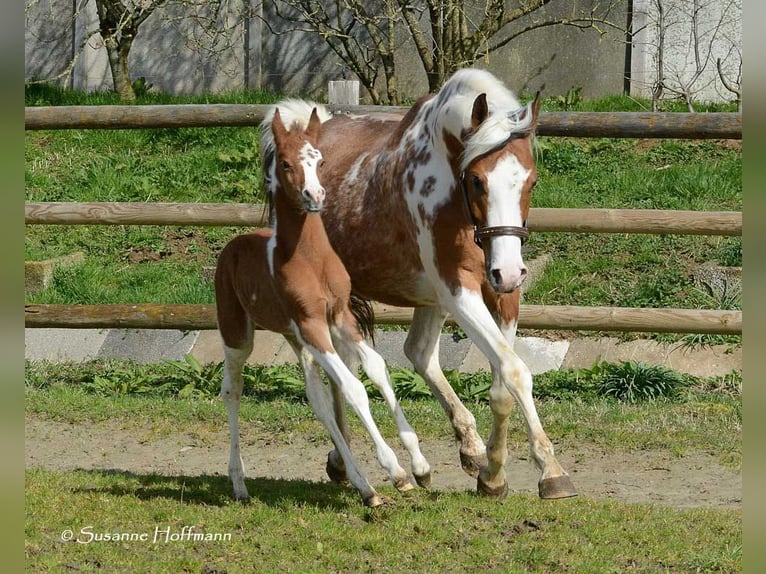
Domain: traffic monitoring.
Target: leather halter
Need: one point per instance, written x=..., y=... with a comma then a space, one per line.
x=480, y=232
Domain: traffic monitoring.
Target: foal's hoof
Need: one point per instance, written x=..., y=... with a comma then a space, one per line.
x=424, y=481
x=492, y=492
x=472, y=464
x=336, y=472
x=557, y=487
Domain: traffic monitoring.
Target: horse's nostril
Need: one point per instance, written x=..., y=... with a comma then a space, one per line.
x=497, y=275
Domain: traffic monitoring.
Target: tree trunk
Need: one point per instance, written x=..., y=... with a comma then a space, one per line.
x=118, y=53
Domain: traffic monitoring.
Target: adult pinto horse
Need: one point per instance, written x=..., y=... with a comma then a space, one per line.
x=429, y=211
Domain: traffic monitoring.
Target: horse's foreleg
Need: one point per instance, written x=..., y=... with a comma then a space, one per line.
x=422, y=349
x=335, y=467
x=231, y=394
x=511, y=380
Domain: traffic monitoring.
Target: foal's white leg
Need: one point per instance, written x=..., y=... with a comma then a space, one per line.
x=422, y=349
x=511, y=380
x=322, y=404
x=356, y=396
x=375, y=367
x=231, y=393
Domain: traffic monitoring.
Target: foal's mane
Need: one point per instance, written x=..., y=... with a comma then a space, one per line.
x=454, y=103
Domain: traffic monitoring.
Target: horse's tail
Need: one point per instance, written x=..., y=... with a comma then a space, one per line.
x=364, y=314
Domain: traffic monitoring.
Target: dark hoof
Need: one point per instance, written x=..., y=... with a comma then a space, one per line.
x=498, y=492
x=557, y=487
x=336, y=473
x=473, y=464
x=423, y=481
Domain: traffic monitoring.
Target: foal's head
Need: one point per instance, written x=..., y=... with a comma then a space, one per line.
x=498, y=174
x=297, y=161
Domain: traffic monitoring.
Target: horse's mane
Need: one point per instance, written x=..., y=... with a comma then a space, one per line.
x=293, y=112
x=507, y=117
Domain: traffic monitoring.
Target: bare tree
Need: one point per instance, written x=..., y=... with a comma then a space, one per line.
x=119, y=21
x=447, y=34
x=695, y=46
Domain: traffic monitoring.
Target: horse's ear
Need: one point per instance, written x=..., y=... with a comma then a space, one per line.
x=312, y=131
x=480, y=110
x=277, y=127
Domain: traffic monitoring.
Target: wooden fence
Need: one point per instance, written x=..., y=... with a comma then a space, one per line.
x=571, y=124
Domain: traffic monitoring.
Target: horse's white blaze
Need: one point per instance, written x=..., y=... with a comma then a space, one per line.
x=310, y=158
x=505, y=183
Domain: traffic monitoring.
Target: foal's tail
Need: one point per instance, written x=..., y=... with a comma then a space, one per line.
x=364, y=314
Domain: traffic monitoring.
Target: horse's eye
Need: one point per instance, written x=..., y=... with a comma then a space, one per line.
x=286, y=165
x=321, y=164
x=478, y=186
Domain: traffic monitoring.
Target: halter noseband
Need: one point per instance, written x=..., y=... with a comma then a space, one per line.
x=480, y=233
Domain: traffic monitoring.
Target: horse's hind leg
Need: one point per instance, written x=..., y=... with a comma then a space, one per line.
x=422, y=349
x=350, y=342
x=321, y=402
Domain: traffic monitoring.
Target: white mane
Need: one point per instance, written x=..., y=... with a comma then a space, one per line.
x=506, y=115
x=292, y=111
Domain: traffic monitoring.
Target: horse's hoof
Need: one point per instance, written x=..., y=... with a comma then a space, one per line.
x=557, y=487
x=373, y=501
x=336, y=473
x=492, y=492
x=472, y=464
x=424, y=481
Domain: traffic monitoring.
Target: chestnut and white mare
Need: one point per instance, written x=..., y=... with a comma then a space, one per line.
x=288, y=279
x=429, y=211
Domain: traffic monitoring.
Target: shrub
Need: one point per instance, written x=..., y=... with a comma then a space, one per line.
x=631, y=382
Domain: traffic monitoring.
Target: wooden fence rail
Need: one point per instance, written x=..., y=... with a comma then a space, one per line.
x=567, y=124
x=719, y=125
x=648, y=221
x=202, y=317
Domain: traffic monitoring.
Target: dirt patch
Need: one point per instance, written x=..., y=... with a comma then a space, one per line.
x=693, y=480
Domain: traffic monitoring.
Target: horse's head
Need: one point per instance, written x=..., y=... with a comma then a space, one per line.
x=297, y=161
x=497, y=177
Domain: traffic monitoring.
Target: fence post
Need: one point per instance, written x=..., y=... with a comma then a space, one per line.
x=343, y=92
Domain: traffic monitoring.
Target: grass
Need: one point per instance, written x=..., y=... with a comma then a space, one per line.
x=295, y=526
x=127, y=264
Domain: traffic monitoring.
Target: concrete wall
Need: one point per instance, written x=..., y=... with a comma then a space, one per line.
x=719, y=35
x=173, y=56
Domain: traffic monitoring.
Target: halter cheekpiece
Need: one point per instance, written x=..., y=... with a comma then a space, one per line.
x=480, y=233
